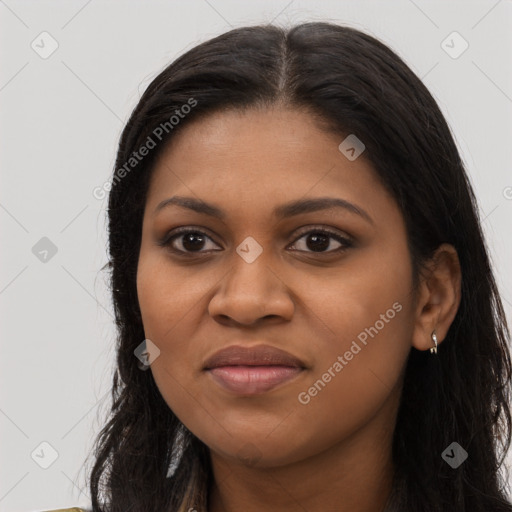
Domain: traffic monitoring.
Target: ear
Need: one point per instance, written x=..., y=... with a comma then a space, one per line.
x=438, y=297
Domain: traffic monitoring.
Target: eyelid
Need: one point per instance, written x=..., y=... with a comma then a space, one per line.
x=335, y=233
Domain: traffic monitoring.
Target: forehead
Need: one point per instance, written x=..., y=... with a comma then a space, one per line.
x=260, y=158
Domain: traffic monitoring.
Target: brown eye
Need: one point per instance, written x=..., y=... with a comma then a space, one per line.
x=321, y=241
x=188, y=241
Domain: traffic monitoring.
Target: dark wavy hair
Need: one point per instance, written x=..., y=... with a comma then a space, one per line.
x=352, y=83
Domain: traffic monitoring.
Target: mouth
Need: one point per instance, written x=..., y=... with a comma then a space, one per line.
x=252, y=370
x=253, y=380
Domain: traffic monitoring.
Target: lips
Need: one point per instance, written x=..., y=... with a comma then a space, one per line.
x=252, y=370
x=260, y=355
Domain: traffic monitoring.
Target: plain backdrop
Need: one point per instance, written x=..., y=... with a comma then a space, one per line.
x=62, y=114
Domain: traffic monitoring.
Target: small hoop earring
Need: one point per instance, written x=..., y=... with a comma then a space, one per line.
x=433, y=350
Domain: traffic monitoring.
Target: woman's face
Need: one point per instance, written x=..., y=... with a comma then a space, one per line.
x=264, y=272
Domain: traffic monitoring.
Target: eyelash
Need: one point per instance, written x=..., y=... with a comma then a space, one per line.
x=169, y=238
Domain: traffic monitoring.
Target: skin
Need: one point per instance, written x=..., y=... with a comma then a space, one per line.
x=270, y=451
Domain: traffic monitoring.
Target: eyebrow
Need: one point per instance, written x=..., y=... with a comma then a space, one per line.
x=283, y=211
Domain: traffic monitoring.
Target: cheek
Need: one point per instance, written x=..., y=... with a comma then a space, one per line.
x=352, y=378
x=363, y=347
x=166, y=296
x=172, y=305
x=365, y=300
x=167, y=307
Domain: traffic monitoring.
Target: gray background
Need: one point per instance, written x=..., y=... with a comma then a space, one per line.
x=61, y=120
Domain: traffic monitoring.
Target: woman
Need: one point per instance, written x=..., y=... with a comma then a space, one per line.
x=297, y=259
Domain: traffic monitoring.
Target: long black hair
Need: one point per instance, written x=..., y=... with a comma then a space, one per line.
x=353, y=83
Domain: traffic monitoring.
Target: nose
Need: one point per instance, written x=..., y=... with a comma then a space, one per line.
x=250, y=293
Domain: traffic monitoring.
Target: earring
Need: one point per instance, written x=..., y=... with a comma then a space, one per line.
x=433, y=350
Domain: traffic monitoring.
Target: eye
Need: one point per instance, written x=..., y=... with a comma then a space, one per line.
x=187, y=240
x=318, y=240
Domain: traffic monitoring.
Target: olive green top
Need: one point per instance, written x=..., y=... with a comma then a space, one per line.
x=74, y=509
